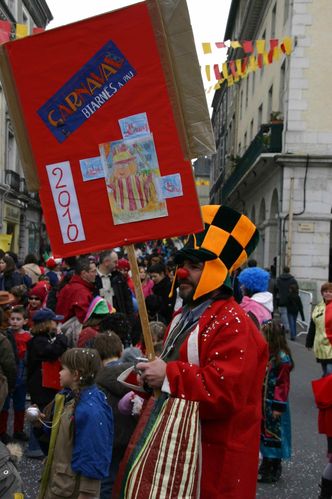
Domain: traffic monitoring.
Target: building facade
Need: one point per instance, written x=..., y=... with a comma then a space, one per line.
x=273, y=131
x=202, y=168
x=21, y=224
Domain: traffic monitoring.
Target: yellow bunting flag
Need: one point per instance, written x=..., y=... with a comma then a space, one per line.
x=208, y=72
x=225, y=70
x=266, y=61
x=206, y=47
x=287, y=42
x=252, y=63
x=22, y=30
x=238, y=64
x=236, y=45
x=260, y=46
x=230, y=81
x=276, y=53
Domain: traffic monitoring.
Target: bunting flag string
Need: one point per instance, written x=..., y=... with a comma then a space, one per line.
x=11, y=31
x=248, y=46
x=235, y=69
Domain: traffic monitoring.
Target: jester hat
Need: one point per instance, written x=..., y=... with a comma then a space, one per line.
x=224, y=245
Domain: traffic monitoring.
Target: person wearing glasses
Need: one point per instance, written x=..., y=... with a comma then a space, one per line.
x=36, y=298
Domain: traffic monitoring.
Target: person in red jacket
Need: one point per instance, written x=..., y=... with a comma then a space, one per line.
x=214, y=354
x=75, y=297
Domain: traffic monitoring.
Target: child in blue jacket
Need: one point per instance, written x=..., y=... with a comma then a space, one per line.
x=80, y=448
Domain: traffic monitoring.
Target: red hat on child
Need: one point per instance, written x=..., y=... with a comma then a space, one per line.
x=51, y=263
x=40, y=290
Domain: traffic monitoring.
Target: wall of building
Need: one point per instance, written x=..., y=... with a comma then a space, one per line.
x=20, y=213
x=309, y=113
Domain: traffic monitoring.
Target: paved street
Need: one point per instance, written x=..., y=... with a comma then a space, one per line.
x=301, y=475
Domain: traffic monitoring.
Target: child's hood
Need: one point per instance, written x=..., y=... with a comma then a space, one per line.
x=265, y=298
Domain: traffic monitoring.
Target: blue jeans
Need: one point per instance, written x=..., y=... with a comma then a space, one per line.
x=326, y=368
x=292, y=325
x=284, y=317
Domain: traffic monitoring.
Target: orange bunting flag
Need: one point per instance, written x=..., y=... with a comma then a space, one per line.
x=247, y=46
x=274, y=43
x=225, y=70
x=260, y=61
x=22, y=30
x=206, y=47
x=208, y=72
x=270, y=56
x=232, y=68
x=260, y=46
x=236, y=45
x=220, y=45
x=5, y=29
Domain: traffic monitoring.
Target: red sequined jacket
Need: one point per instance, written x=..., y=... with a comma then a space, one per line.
x=228, y=384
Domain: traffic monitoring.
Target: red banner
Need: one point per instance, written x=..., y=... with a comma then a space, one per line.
x=80, y=81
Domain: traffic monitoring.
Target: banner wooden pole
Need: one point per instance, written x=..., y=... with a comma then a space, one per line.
x=143, y=315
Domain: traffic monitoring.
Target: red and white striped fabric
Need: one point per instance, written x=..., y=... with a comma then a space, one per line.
x=168, y=461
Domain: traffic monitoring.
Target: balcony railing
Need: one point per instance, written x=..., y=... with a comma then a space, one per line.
x=268, y=140
x=13, y=179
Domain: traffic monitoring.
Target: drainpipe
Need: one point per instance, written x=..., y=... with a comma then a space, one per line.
x=290, y=222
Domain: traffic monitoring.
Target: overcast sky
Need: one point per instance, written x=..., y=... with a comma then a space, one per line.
x=208, y=19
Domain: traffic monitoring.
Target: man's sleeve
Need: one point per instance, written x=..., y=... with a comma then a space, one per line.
x=81, y=306
x=7, y=362
x=231, y=359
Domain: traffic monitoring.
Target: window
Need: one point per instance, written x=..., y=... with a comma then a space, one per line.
x=260, y=116
x=270, y=103
x=273, y=21
x=282, y=88
x=245, y=141
x=253, y=83
x=11, y=7
x=247, y=91
x=263, y=67
x=11, y=151
x=251, y=130
x=241, y=104
x=286, y=9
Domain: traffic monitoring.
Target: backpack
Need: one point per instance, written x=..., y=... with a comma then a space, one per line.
x=10, y=480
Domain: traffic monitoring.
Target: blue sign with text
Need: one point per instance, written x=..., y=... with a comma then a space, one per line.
x=87, y=91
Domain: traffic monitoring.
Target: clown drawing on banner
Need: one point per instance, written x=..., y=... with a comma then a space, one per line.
x=131, y=171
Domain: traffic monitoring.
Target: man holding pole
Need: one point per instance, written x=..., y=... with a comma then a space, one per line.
x=215, y=355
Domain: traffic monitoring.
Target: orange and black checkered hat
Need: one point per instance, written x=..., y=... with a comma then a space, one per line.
x=224, y=245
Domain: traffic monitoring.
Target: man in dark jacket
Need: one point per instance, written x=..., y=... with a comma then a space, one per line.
x=162, y=287
x=282, y=291
x=110, y=349
x=75, y=297
x=111, y=284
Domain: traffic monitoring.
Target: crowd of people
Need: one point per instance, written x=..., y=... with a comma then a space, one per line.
x=70, y=327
